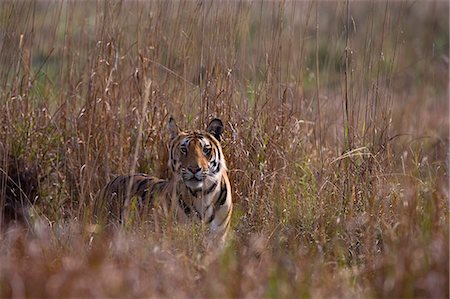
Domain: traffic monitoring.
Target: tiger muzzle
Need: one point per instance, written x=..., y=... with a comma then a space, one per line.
x=195, y=175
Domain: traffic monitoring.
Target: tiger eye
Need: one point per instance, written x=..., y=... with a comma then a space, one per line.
x=207, y=151
x=183, y=150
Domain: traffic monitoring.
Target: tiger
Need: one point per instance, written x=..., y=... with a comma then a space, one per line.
x=198, y=187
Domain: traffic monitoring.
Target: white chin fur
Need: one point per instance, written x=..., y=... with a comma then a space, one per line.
x=194, y=185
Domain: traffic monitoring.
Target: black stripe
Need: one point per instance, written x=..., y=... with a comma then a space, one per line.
x=184, y=206
x=218, y=155
x=157, y=187
x=211, y=218
x=144, y=194
x=226, y=217
x=218, y=162
x=217, y=168
x=212, y=202
x=114, y=180
x=223, y=196
x=153, y=189
x=215, y=141
x=141, y=184
x=192, y=192
x=210, y=189
x=171, y=154
x=197, y=213
x=187, y=140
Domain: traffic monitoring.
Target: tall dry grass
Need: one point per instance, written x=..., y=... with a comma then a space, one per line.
x=336, y=139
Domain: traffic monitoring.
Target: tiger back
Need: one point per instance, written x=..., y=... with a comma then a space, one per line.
x=112, y=204
x=198, y=188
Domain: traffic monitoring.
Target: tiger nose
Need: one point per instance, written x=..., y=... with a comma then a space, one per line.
x=194, y=169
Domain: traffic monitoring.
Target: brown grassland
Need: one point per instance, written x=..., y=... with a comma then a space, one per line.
x=336, y=139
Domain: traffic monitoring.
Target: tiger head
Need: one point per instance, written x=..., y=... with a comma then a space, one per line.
x=196, y=157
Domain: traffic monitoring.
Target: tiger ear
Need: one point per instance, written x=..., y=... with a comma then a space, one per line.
x=215, y=128
x=173, y=128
